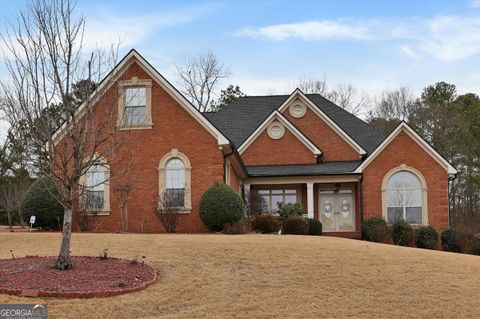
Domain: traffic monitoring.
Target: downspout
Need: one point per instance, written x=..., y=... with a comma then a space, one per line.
x=361, y=200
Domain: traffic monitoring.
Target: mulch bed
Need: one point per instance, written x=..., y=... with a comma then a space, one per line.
x=90, y=277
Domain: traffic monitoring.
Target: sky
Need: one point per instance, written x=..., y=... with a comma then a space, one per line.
x=269, y=45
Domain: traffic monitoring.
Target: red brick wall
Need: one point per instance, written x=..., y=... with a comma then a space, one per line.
x=286, y=150
x=172, y=128
x=333, y=147
x=234, y=180
x=404, y=150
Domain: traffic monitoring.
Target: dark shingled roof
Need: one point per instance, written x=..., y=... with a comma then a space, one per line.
x=239, y=120
x=327, y=168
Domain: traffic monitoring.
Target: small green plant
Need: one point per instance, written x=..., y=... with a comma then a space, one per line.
x=265, y=224
x=220, y=205
x=295, y=226
x=375, y=229
x=314, y=227
x=450, y=240
x=402, y=233
x=426, y=237
x=289, y=210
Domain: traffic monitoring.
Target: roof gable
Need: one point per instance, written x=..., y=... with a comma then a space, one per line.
x=298, y=94
x=134, y=57
x=275, y=115
x=404, y=127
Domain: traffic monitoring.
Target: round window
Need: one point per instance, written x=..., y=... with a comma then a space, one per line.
x=276, y=130
x=297, y=110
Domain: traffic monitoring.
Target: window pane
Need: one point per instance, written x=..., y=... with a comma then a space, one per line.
x=135, y=115
x=403, y=179
x=94, y=200
x=327, y=192
x=175, y=197
x=413, y=198
x=414, y=215
x=175, y=163
x=263, y=191
x=135, y=97
x=394, y=198
x=290, y=191
x=275, y=200
x=394, y=214
x=265, y=203
x=95, y=178
x=345, y=191
x=290, y=199
x=277, y=191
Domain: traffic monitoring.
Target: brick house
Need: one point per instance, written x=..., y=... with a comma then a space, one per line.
x=283, y=148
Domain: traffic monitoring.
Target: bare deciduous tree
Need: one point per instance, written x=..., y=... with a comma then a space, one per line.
x=11, y=194
x=344, y=95
x=44, y=58
x=199, y=77
x=395, y=104
x=168, y=208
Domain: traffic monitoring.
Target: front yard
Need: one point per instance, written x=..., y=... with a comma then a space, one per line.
x=268, y=276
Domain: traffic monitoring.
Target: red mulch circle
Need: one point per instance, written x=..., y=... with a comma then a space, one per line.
x=90, y=277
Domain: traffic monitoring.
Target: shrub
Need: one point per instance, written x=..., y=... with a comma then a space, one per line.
x=295, y=226
x=402, y=233
x=40, y=200
x=314, y=227
x=375, y=229
x=450, y=241
x=265, y=224
x=475, y=248
x=289, y=210
x=426, y=237
x=243, y=226
x=220, y=205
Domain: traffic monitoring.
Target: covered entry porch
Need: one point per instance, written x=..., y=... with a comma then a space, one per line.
x=334, y=200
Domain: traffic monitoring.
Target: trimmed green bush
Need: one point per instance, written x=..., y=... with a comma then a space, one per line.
x=402, y=233
x=220, y=205
x=426, y=237
x=265, y=224
x=295, y=226
x=475, y=249
x=40, y=200
x=314, y=227
x=450, y=240
x=375, y=229
x=289, y=210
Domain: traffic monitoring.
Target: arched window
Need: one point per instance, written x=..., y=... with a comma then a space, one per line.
x=175, y=182
x=404, y=197
x=95, y=188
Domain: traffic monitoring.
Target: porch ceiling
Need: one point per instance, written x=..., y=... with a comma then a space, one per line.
x=326, y=168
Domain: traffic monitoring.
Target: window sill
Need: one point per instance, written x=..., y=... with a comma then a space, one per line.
x=100, y=213
x=134, y=127
x=185, y=210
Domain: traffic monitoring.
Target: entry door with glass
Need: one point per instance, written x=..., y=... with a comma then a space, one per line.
x=337, y=210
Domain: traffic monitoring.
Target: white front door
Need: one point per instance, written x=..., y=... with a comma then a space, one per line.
x=337, y=210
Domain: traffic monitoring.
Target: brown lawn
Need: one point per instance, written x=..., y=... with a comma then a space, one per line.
x=262, y=276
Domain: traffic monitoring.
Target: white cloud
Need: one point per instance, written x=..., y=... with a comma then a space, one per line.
x=445, y=38
x=310, y=30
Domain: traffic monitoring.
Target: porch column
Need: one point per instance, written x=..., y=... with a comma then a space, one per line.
x=310, y=199
x=246, y=193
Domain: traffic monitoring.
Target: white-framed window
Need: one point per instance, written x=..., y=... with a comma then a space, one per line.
x=270, y=198
x=404, y=196
x=175, y=182
x=135, y=104
x=94, y=196
x=135, y=112
x=175, y=177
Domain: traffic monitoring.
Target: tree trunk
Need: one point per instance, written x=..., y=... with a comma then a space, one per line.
x=63, y=261
x=20, y=217
x=9, y=217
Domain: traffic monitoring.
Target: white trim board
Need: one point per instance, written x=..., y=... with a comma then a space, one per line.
x=403, y=126
x=157, y=77
x=315, y=109
x=277, y=115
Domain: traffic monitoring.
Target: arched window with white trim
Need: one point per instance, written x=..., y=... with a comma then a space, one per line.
x=175, y=179
x=405, y=197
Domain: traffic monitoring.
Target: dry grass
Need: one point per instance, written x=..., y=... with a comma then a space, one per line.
x=267, y=276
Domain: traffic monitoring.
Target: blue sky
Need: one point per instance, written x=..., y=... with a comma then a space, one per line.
x=269, y=45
